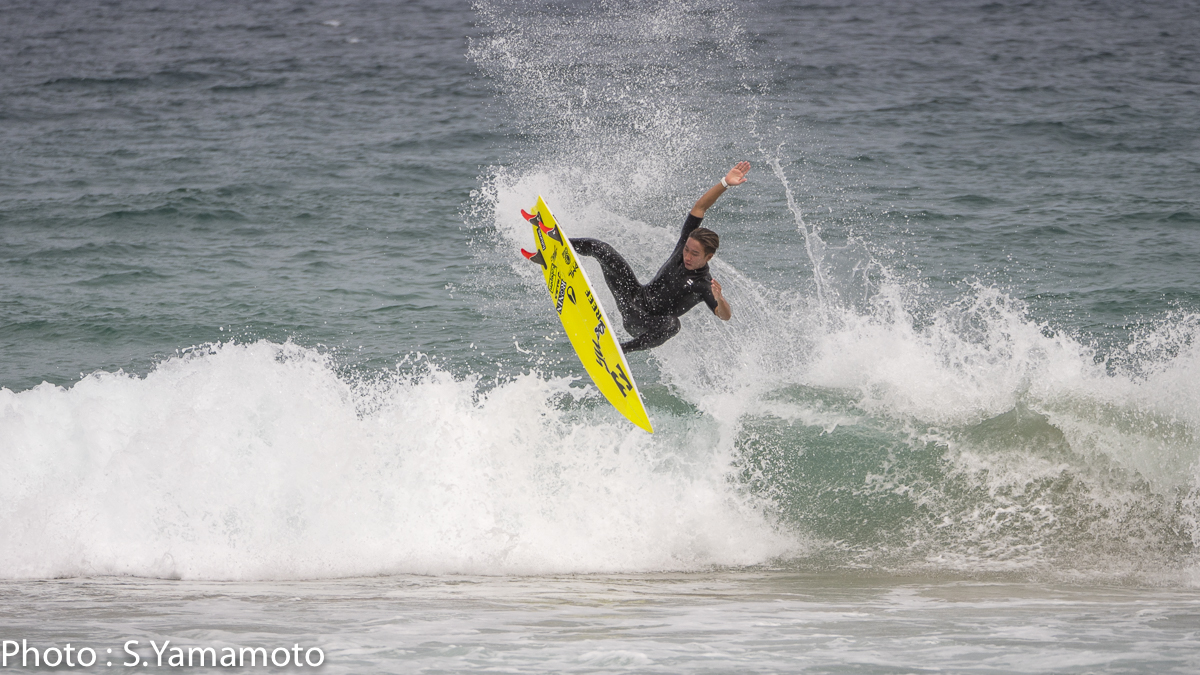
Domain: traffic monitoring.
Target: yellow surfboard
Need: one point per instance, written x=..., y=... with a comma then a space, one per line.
x=582, y=316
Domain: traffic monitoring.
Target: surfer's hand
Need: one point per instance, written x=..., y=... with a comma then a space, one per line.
x=737, y=175
x=722, y=311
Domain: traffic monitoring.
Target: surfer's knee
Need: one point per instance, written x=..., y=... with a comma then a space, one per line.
x=668, y=329
x=674, y=327
x=601, y=251
x=586, y=245
x=654, y=336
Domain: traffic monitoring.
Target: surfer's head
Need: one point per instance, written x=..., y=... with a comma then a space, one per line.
x=699, y=248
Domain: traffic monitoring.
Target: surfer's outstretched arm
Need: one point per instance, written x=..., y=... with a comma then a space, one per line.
x=736, y=176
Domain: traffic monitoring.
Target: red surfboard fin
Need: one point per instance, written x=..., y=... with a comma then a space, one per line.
x=535, y=218
x=552, y=231
x=534, y=257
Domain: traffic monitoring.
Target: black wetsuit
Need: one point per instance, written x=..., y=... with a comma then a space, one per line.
x=651, y=312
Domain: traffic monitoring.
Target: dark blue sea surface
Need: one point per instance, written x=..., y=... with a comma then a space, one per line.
x=1048, y=148
x=288, y=170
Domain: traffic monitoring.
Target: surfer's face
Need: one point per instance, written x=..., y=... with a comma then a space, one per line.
x=694, y=256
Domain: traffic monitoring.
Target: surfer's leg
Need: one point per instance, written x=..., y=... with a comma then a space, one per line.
x=658, y=329
x=617, y=274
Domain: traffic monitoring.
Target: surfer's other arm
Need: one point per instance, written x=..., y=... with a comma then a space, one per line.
x=722, y=310
x=736, y=176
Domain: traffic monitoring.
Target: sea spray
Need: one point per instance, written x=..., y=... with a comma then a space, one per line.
x=619, y=98
x=898, y=425
x=813, y=245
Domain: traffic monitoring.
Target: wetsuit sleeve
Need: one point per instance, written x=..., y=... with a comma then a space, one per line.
x=709, y=298
x=689, y=226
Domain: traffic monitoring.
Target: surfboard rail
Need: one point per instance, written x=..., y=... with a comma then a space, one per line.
x=583, y=316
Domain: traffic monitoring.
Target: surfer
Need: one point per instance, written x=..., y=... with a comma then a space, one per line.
x=651, y=312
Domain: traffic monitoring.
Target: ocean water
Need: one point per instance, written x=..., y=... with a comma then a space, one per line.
x=273, y=371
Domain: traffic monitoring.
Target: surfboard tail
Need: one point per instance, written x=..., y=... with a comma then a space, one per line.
x=552, y=232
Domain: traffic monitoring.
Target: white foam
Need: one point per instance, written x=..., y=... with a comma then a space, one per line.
x=253, y=461
x=937, y=370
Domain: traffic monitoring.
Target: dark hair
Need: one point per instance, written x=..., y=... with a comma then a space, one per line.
x=707, y=238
